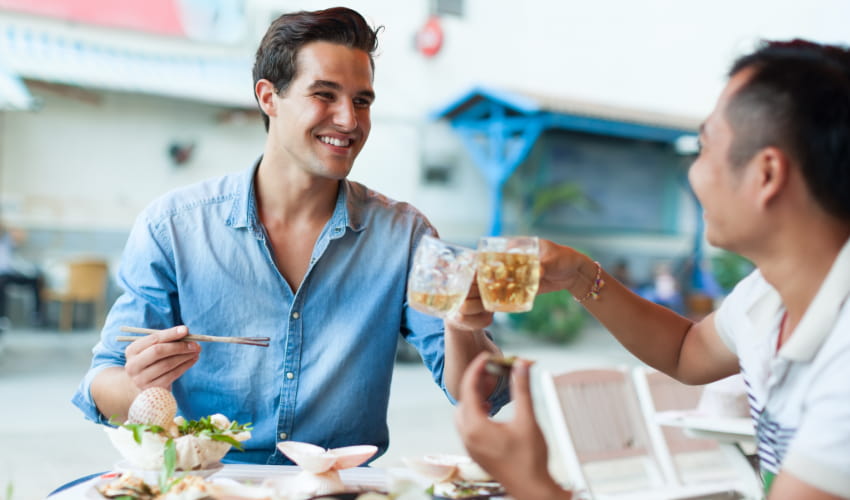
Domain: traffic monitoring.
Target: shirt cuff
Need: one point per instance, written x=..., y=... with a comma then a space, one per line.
x=501, y=395
x=83, y=400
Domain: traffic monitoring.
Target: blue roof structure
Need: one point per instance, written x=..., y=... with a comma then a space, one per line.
x=499, y=128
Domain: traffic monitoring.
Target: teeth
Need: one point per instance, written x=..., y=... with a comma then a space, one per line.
x=335, y=142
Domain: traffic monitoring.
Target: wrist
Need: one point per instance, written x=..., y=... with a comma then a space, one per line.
x=584, y=276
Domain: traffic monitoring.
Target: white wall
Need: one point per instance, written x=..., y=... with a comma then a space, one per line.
x=81, y=165
x=75, y=164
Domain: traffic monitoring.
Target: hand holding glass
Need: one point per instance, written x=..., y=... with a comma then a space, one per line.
x=508, y=272
x=440, y=278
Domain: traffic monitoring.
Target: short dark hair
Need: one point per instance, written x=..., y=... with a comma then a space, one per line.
x=797, y=99
x=276, y=56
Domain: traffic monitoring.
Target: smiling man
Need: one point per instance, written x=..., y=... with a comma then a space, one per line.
x=773, y=178
x=288, y=249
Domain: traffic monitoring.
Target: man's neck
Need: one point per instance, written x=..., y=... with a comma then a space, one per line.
x=289, y=195
x=797, y=262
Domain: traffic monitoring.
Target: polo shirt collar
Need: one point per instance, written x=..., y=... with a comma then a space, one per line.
x=820, y=316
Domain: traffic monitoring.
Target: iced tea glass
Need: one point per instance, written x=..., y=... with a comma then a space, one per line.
x=440, y=278
x=508, y=272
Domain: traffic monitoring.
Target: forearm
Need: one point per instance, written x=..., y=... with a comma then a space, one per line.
x=651, y=332
x=113, y=393
x=461, y=347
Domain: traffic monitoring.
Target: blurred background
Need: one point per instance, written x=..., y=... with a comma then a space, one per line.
x=570, y=120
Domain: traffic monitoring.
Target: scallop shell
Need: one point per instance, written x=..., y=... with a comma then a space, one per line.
x=153, y=406
x=193, y=452
x=316, y=460
x=444, y=467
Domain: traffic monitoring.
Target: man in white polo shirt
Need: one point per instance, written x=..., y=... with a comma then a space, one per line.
x=773, y=177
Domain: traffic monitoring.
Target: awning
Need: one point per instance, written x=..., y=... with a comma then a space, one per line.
x=13, y=93
x=498, y=128
x=481, y=104
x=89, y=59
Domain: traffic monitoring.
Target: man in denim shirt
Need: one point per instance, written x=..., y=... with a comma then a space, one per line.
x=287, y=249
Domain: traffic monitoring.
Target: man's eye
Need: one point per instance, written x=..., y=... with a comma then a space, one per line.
x=362, y=103
x=325, y=95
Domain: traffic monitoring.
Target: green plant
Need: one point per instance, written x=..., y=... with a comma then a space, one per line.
x=555, y=317
x=729, y=268
x=10, y=490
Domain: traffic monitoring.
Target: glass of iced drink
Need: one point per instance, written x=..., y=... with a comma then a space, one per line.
x=440, y=277
x=508, y=272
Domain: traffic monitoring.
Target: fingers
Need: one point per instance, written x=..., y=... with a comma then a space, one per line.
x=159, y=359
x=473, y=403
x=144, y=342
x=521, y=389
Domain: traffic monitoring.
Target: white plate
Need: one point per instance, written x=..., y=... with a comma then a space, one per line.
x=152, y=475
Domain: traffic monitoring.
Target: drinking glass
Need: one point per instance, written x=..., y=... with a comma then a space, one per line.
x=440, y=278
x=508, y=272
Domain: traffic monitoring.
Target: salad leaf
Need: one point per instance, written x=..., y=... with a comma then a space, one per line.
x=169, y=464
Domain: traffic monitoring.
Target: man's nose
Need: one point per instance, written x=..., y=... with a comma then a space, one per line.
x=345, y=116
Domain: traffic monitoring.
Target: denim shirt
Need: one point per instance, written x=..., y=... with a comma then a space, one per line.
x=200, y=257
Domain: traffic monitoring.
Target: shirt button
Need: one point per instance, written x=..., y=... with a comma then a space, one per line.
x=290, y=375
x=283, y=435
x=296, y=315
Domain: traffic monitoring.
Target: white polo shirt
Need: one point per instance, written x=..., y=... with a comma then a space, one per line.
x=799, y=397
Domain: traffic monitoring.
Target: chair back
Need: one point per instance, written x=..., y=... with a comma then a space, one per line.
x=87, y=280
x=595, y=419
x=669, y=394
x=686, y=460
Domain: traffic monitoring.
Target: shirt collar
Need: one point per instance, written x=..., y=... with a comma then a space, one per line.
x=819, y=317
x=348, y=210
x=243, y=213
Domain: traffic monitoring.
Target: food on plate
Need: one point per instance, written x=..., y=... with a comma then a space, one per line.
x=499, y=366
x=152, y=424
x=455, y=476
x=129, y=486
x=187, y=487
x=467, y=490
x=320, y=474
x=369, y=495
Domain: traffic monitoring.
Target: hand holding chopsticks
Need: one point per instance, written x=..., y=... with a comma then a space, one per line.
x=257, y=341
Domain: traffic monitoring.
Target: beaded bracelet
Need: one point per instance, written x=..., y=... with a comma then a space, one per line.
x=598, y=283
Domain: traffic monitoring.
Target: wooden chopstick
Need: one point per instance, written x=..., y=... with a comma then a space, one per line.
x=257, y=341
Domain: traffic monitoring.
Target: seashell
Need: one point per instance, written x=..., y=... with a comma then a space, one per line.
x=444, y=467
x=193, y=452
x=306, y=484
x=220, y=421
x=308, y=456
x=317, y=460
x=153, y=406
x=436, y=472
x=352, y=456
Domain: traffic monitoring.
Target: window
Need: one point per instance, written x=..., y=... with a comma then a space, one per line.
x=447, y=7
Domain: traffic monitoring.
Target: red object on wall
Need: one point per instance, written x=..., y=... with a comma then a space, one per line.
x=152, y=16
x=429, y=39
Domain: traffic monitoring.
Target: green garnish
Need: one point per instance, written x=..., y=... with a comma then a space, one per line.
x=205, y=427
x=200, y=427
x=169, y=461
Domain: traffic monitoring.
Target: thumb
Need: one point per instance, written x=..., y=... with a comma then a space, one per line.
x=521, y=389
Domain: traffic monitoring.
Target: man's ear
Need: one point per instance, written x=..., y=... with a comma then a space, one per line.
x=265, y=96
x=772, y=173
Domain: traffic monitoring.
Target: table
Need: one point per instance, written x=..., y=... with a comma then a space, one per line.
x=369, y=477
x=738, y=430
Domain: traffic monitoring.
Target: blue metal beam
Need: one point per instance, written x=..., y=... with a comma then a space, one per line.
x=500, y=128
